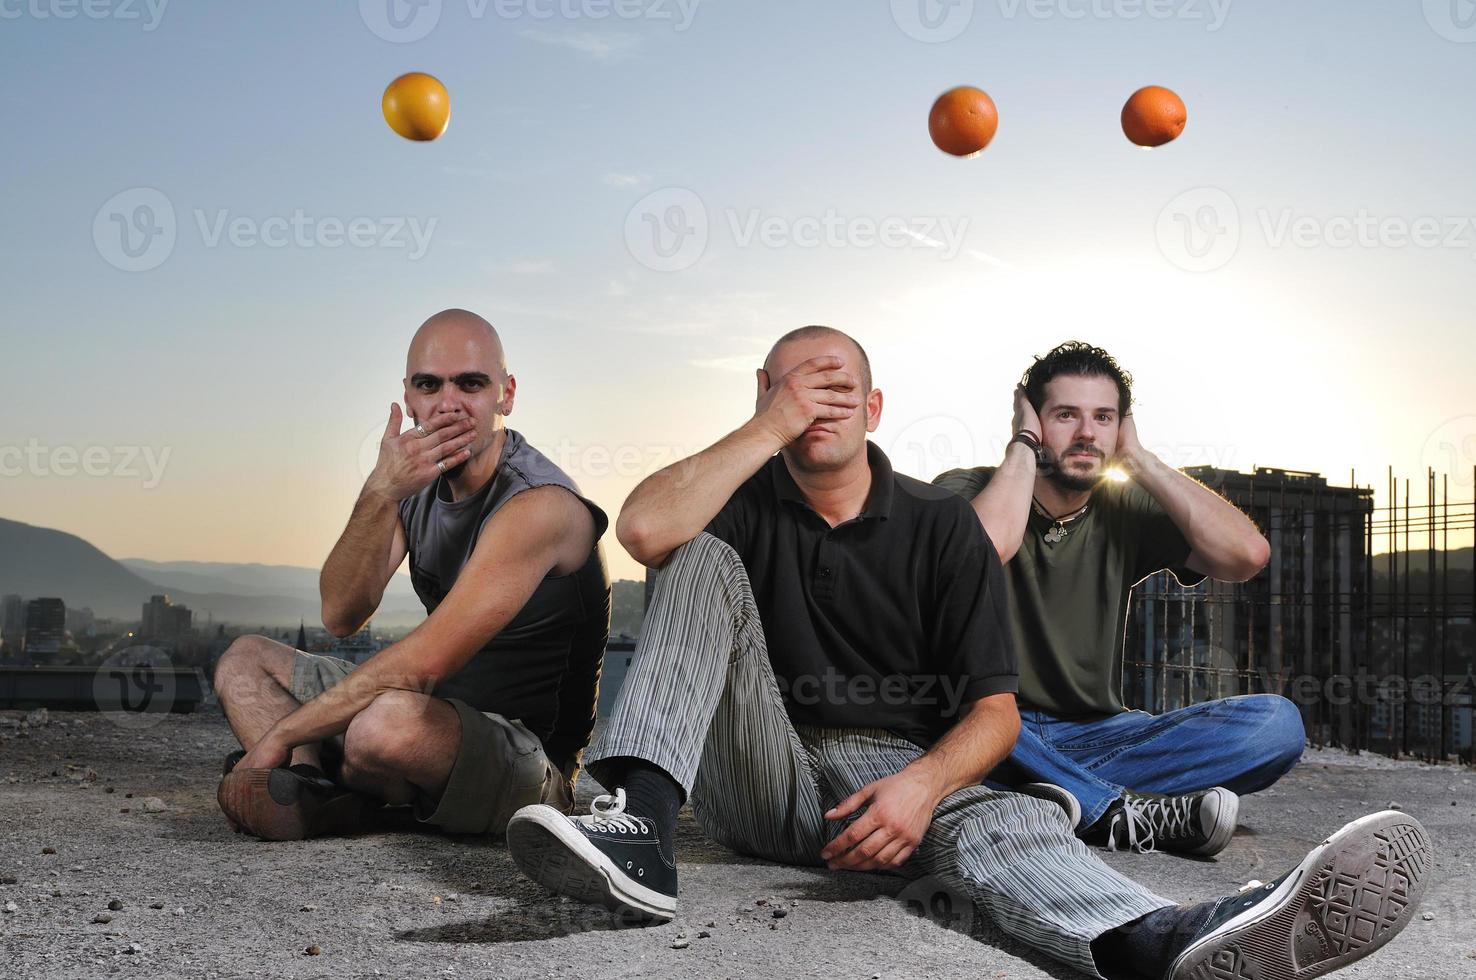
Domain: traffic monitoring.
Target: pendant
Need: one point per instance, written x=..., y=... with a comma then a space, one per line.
x=1055, y=535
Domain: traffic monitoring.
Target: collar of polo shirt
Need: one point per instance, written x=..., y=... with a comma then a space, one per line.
x=878, y=501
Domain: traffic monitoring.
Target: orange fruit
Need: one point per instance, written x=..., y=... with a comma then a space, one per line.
x=963, y=121
x=417, y=106
x=1154, y=116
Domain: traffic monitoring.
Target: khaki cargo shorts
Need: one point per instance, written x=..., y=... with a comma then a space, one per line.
x=499, y=767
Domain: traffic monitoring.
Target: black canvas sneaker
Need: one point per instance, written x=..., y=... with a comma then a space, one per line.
x=1194, y=823
x=610, y=857
x=1349, y=896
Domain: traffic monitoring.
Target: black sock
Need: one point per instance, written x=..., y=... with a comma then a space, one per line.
x=1149, y=945
x=650, y=792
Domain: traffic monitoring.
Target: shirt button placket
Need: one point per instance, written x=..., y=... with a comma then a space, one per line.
x=825, y=570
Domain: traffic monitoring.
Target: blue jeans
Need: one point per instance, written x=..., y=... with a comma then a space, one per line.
x=1243, y=744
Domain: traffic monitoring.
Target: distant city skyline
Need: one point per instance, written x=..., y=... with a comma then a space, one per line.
x=213, y=269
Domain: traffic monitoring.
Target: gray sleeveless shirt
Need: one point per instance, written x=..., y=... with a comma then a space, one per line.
x=544, y=666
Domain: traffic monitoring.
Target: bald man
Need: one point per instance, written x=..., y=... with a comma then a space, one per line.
x=488, y=704
x=827, y=670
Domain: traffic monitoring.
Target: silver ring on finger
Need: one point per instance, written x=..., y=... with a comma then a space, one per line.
x=421, y=429
x=441, y=465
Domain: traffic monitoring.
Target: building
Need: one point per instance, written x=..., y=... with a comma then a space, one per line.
x=82, y=622
x=619, y=652
x=1462, y=701
x=13, y=624
x=46, y=629
x=164, y=621
x=1304, y=615
x=356, y=647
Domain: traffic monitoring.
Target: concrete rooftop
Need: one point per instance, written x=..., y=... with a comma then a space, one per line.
x=408, y=904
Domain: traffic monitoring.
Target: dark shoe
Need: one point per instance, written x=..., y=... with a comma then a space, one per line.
x=1349, y=896
x=1194, y=823
x=558, y=788
x=610, y=858
x=292, y=804
x=1058, y=795
x=231, y=760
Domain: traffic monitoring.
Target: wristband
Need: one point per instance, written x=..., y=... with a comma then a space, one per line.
x=1027, y=438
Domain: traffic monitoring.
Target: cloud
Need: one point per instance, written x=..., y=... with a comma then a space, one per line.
x=972, y=253
x=625, y=180
x=738, y=363
x=987, y=259
x=596, y=47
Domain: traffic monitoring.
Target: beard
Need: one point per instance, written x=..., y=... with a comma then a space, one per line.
x=830, y=454
x=1074, y=482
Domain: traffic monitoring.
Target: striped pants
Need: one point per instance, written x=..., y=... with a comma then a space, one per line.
x=700, y=701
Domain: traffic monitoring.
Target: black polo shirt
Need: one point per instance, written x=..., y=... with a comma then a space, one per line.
x=894, y=619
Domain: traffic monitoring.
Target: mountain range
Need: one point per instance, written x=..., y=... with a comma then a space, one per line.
x=38, y=561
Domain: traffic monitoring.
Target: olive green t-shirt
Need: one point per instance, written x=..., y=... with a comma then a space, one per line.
x=1069, y=600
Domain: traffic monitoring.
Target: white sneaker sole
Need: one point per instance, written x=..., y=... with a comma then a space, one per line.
x=1349, y=896
x=547, y=848
x=1058, y=795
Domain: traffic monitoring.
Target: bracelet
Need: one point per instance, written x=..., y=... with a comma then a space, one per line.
x=1027, y=438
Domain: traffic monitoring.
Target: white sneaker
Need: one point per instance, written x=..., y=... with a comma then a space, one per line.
x=1057, y=795
x=1192, y=823
x=610, y=857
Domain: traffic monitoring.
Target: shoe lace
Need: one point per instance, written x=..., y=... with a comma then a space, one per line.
x=1132, y=819
x=608, y=813
x=1172, y=816
x=1167, y=817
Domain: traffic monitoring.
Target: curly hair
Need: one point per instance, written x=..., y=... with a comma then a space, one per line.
x=1076, y=358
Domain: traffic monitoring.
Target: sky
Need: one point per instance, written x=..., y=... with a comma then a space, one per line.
x=216, y=251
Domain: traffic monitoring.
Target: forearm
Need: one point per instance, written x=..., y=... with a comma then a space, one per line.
x=328, y=714
x=1003, y=505
x=673, y=505
x=970, y=750
x=541, y=530
x=352, y=581
x=1223, y=538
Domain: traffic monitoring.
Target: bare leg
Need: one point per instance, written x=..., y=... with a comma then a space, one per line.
x=254, y=682
x=402, y=745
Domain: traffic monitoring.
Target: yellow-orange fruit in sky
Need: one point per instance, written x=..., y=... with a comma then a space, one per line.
x=963, y=121
x=1154, y=116
x=417, y=106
